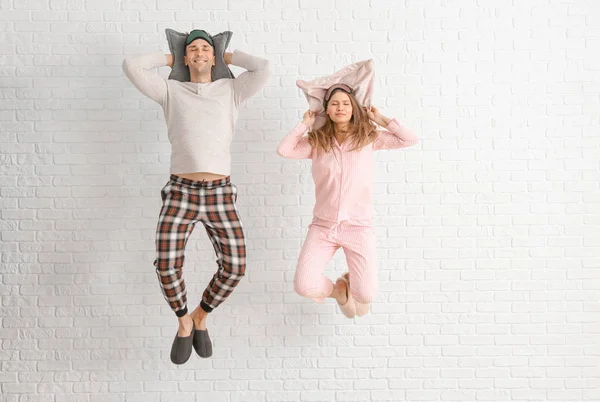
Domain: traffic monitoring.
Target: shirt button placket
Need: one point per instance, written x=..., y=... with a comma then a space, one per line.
x=341, y=184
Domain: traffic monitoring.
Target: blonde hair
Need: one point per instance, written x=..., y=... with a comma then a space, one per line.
x=361, y=131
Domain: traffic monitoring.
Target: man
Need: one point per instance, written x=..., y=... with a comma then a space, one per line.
x=200, y=116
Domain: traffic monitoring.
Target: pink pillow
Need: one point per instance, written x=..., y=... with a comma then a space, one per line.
x=359, y=76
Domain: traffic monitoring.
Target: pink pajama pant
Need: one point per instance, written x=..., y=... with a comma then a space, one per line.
x=322, y=242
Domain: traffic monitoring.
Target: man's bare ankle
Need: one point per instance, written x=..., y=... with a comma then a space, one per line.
x=198, y=314
x=185, y=325
x=200, y=324
x=199, y=318
x=186, y=319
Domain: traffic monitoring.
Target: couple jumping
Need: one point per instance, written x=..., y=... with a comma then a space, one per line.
x=200, y=115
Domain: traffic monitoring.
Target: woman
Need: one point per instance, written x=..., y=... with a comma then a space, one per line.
x=342, y=169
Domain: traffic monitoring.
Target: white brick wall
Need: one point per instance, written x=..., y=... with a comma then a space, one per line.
x=488, y=230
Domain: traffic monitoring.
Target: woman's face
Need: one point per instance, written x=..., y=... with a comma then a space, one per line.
x=339, y=108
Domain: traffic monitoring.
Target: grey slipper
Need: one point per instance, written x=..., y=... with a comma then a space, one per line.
x=182, y=348
x=202, y=343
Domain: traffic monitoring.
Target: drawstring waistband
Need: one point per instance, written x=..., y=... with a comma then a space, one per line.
x=208, y=184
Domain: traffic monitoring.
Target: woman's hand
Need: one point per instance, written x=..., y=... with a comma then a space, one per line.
x=375, y=116
x=373, y=113
x=309, y=118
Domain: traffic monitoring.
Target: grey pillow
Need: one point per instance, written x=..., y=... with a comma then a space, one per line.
x=181, y=72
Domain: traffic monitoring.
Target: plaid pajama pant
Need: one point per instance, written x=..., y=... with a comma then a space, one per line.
x=185, y=203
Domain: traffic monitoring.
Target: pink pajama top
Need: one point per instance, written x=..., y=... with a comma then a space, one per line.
x=343, y=178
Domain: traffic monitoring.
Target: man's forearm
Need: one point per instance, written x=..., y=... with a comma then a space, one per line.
x=139, y=71
x=227, y=57
x=253, y=79
x=169, y=60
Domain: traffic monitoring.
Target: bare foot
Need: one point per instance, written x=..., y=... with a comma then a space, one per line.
x=340, y=292
x=185, y=326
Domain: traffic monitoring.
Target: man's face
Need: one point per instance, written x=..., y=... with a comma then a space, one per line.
x=200, y=56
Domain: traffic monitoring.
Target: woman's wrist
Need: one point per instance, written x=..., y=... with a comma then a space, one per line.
x=384, y=121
